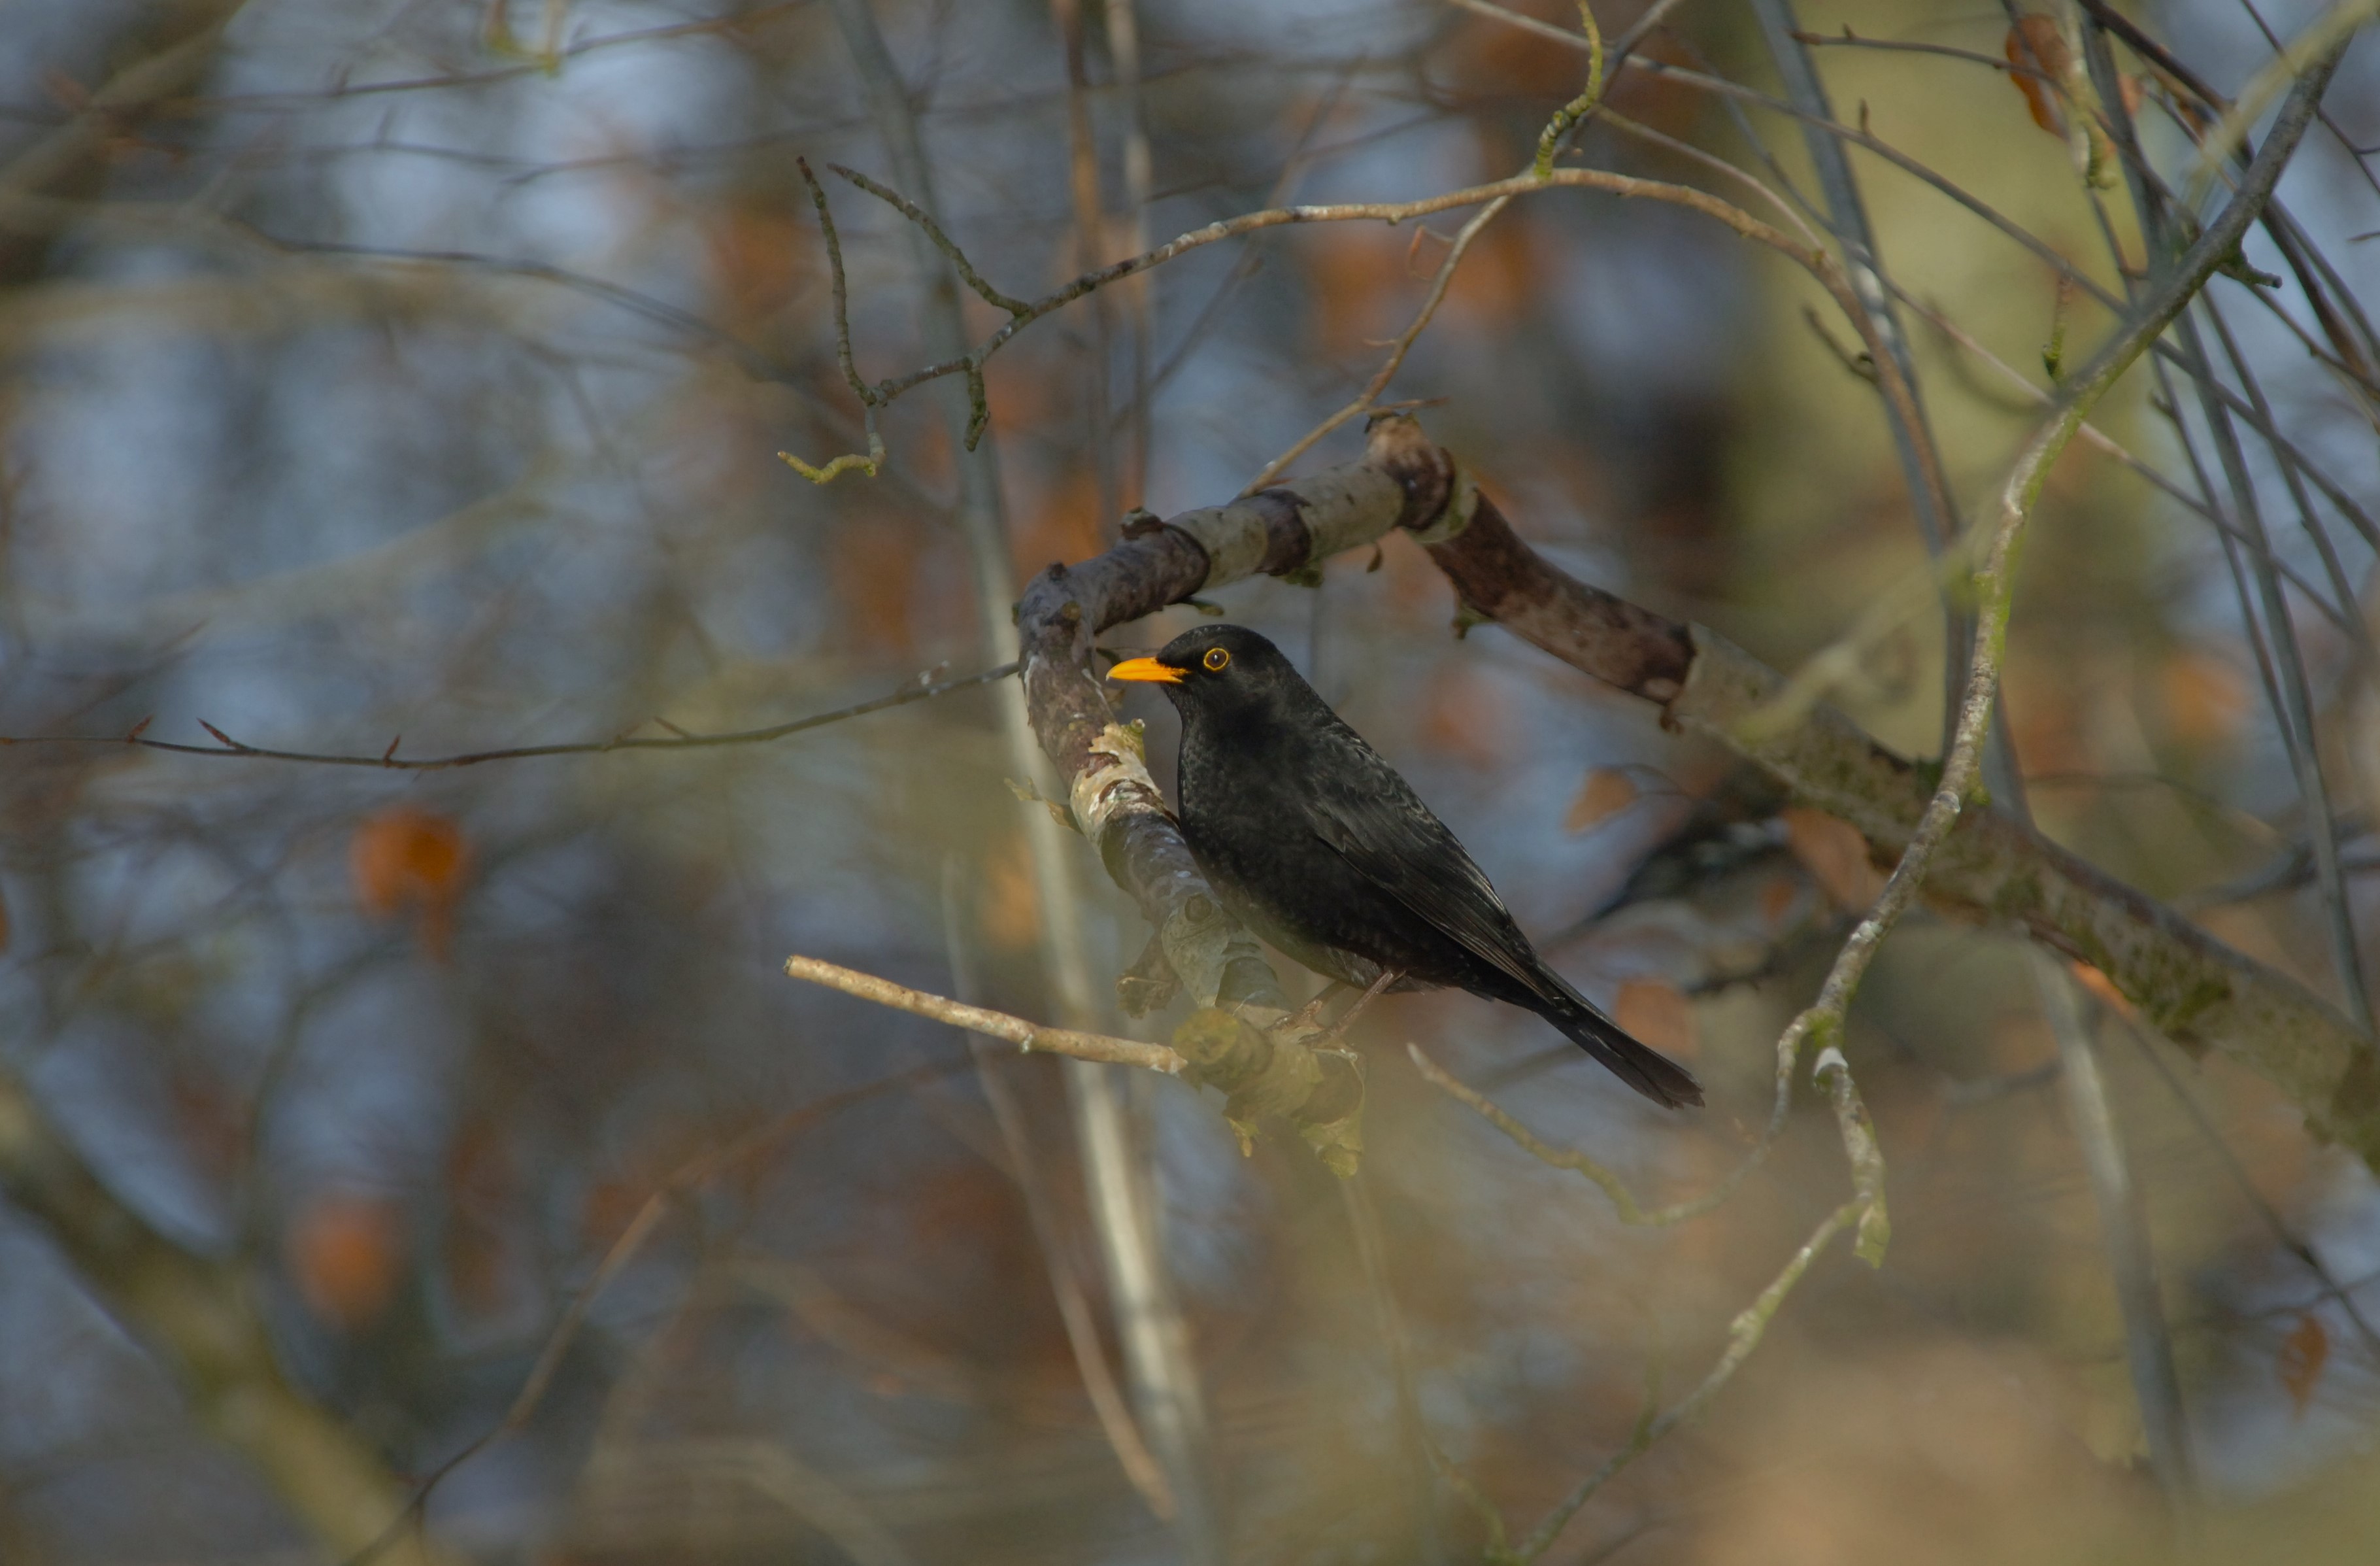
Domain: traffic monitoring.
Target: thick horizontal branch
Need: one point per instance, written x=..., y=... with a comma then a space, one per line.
x=1990, y=868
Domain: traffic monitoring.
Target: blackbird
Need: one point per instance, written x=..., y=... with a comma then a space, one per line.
x=1317, y=844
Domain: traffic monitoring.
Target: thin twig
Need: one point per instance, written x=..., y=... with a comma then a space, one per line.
x=1090, y=251
x=1743, y=1335
x=2124, y=1234
x=1549, y=145
x=1030, y=1037
x=2297, y=710
x=2342, y=1293
x=919, y=216
x=1558, y=129
x=1149, y=1322
x=2323, y=39
x=690, y=1176
x=868, y=401
x=2110, y=446
x=1935, y=508
x=1371, y=1259
x=1108, y=1404
x=1365, y=401
x=1624, y=1203
x=1994, y=581
x=970, y=364
x=231, y=749
x=1139, y=174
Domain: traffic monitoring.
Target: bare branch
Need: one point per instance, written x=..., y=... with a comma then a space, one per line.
x=971, y=364
x=199, y=1318
x=919, y=216
x=1743, y=1335
x=1624, y=1203
x=1367, y=400
x=690, y=1176
x=229, y=748
x=868, y=399
x=1550, y=140
x=1030, y=1037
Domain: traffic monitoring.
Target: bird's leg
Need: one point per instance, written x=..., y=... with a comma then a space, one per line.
x=1388, y=976
x=1310, y=1013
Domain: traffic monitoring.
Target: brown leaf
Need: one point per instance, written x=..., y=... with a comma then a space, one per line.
x=2035, y=44
x=406, y=857
x=1657, y=1015
x=346, y=1254
x=1606, y=791
x=1835, y=854
x=2303, y=1354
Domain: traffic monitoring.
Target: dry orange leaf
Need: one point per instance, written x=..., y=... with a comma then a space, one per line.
x=1656, y=1014
x=346, y=1254
x=1605, y=792
x=403, y=856
x=406, y=857
x=1835, y=854
x=2303, y=1354
x=2035, y=44
x=1775, y=898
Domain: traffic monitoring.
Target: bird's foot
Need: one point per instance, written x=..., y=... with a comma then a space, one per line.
x=1308, y=1018
x=1379, y=987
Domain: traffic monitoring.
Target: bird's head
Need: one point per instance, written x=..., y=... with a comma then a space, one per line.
x=1218, y=669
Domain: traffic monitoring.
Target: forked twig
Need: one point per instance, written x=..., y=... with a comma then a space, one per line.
x=868, y=401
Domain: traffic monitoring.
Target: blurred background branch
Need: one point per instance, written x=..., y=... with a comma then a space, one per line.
x=198, y=1318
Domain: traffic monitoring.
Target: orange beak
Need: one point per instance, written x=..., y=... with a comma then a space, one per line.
x=1147, y=670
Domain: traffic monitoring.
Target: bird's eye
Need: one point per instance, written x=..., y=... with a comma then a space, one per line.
x=1217, y=659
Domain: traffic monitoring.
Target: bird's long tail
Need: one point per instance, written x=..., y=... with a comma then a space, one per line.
x=1642, y=1067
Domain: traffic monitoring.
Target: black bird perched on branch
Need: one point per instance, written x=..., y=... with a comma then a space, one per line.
x=1317, y=845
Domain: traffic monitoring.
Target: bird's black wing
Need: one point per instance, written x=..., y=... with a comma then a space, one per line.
x=1379, y=826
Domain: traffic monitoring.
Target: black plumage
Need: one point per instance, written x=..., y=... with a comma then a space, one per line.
x=1317, y=844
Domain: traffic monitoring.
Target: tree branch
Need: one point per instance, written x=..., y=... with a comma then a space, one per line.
x=388, y=760
x=1030, y=1037
x=198, y=1318
x=1988, y=868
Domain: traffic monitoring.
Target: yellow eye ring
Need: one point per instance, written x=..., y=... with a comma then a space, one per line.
x=1217, y=660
